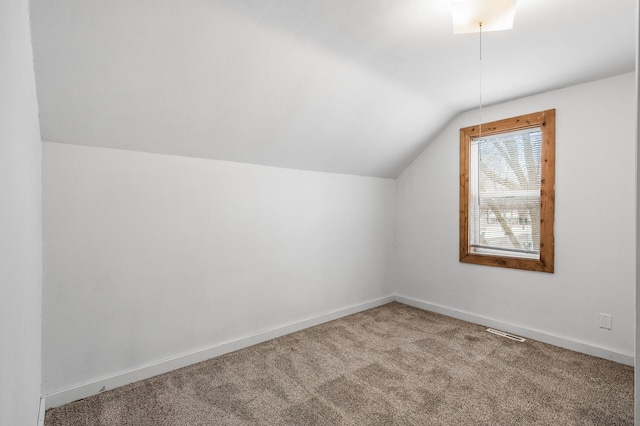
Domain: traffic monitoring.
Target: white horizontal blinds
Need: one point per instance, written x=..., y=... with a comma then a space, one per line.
x=505, y=194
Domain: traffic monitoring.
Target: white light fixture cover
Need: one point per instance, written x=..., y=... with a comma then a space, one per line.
x=495, y=15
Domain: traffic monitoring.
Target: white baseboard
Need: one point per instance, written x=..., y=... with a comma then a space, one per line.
x=94, y=387
x=41, y=411
x=585, y=348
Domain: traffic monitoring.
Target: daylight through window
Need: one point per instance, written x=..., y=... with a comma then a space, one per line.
x=505, y=194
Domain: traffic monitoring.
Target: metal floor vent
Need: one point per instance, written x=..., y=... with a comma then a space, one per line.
x=507, y=335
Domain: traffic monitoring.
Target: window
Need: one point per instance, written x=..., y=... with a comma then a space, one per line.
x=507, y=192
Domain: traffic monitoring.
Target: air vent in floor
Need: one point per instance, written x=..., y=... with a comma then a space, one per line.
x=507, y=335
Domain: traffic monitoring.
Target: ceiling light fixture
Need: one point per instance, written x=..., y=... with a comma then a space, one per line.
x=470, y=16
x=495, y=15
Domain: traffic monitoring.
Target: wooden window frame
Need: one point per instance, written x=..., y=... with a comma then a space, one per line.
x=546, y=120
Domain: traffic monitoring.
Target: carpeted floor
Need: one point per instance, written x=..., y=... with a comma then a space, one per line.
x=392, y=365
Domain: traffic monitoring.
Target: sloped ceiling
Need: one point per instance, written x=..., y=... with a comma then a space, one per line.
x=357, y=87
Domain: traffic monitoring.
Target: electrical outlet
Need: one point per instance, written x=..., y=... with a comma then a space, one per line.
x=605, y=321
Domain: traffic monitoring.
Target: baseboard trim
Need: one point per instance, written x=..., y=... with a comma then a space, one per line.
x=41, y=411
x=94, y=387
x=562, y=342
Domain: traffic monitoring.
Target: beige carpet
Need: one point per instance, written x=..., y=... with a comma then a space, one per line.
x=392, y=365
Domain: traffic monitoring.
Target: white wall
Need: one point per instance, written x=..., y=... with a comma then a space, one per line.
x=20, y=221
x=594, y=224
x=150, y=256
x=222, y=84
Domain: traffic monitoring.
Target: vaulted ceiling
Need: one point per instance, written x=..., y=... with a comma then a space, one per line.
x=357, y=87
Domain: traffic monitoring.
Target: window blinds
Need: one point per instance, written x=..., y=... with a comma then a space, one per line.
x=505, y=194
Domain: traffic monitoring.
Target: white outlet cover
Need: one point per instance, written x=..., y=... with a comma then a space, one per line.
x=605, y=321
